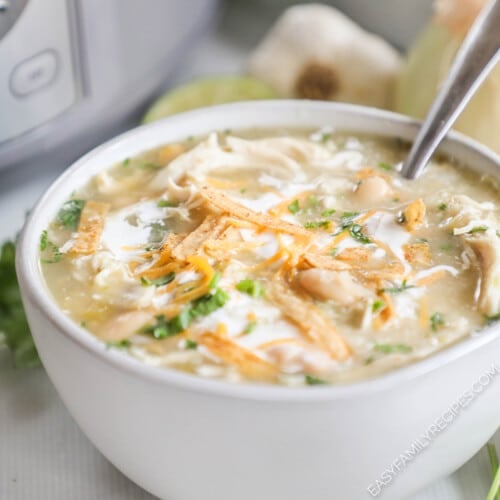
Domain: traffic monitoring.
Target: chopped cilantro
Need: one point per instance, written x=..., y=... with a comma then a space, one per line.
x=164, y=280
x=203, y=306
x=369, y=360
x=378, y=305
x=324, y=224
x=437, y=321
x=191, y=344
x=446, y=246
x=348, y=218
x=44, y=241
x=391, y=348
x=126, y=162
x=312, y=380
x=325, y=137
x=69, y=214
x=46, y=246
x=157, y=232
x=334, y=251
x=13, y=324
x=294, y=207
x=385, y=166
x=398, y=289
x=250, y=327
x=442, y=206
x=356, y=232
x=121, y=344
x=328, y=213
x=243, y=190
x=251, y=287
x=166, y=203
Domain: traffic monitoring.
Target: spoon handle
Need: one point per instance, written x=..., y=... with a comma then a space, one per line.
x=475, y=59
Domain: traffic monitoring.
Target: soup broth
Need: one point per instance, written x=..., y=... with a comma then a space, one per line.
x=285, y=256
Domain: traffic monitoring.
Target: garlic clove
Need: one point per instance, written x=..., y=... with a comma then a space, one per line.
x=315, y=52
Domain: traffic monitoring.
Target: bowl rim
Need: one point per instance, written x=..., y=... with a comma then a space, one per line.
x=34, y=290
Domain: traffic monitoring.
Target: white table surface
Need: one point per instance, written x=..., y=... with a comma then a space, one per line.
x=43, y=454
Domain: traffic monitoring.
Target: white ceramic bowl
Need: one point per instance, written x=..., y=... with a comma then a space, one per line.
x=183, y=437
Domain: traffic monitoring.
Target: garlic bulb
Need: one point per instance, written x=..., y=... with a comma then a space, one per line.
x=428, y=63
x=315, y=52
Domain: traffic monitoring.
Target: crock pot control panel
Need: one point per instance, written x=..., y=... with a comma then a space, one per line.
x=37, y=69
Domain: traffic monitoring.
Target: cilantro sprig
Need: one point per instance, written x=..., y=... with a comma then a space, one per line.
x=13, y=324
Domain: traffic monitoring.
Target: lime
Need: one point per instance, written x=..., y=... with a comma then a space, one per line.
x=207, y=92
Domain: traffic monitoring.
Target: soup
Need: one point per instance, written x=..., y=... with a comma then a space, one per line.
x=288, y=257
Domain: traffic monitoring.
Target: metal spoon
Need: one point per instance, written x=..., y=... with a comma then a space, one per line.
x=477, y=56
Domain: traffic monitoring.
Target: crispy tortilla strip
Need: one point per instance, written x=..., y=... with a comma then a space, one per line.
x=316, y=327
x=414, y=215
x=354, y=254
x=246, y=361
x=324, y=262
x=215, y=199
x=90, y=227
x=387, y=314
x=418, y=253
x=192, y=244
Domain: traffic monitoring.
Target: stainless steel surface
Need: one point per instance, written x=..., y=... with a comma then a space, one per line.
x=476, y=57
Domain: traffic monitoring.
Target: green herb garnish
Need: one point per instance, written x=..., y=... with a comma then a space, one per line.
x=48, y=247
x=328, y=213
x=348, y=218
x=437, y=321
x=494, y=493
x=149, y=166
x=489, y=320
x=203, y=306
x=251, y=287
x=294, y=207
x=191, y=344
x=391, y=348
x=44, y=241
x=120, y=344
x=126, y=162
x=356, y=231
x=442, y=206
x=398, y=289
x=13, y=324
x=250, y=327
x=334, y=251
x=166, y=203
x=69, y=214
x=378, y=305
x=324, y=224
x=312, y=380
x=385, y=166
x=478, y=229
x=157, y=232
x=164, y=280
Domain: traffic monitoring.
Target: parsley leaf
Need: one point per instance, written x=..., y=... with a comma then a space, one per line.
x=69, y=214
x=478, y=229
x=442, y=206
x=13, y=323
x=166, y=203
x=378, y=305
x=328, y=213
